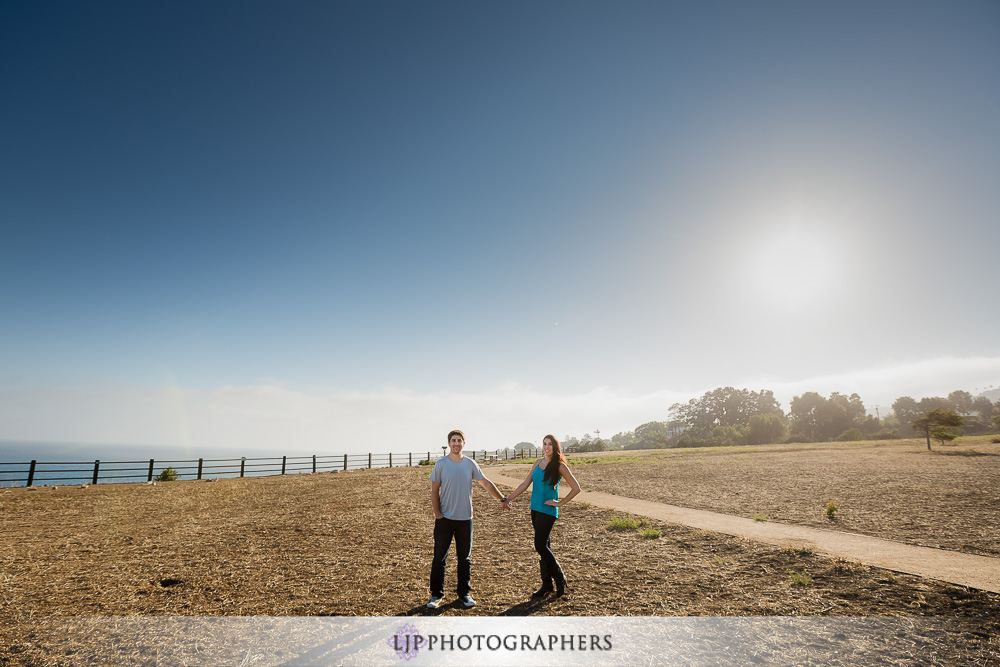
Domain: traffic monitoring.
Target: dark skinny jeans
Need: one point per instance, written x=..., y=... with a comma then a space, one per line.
x=542, y=523
x=444, y=531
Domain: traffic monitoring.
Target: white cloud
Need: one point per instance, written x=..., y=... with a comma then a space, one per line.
x=281, y=420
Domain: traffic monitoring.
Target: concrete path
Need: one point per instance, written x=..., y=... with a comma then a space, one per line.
x=980, y=572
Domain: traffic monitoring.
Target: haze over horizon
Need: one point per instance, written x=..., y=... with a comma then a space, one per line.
x=348, y=224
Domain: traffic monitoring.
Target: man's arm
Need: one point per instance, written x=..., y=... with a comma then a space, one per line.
x=495, y=492
x=436, y=499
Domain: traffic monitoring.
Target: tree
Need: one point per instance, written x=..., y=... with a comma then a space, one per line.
x=943, y=435
x=765, y=429
x=652, y=435
x=962, y=400
x=523, y=445
x=936, y=423
x=729, y=436
x=622, y=440
x=804, y=415
x=594, y=445
x=725, y=406
x=935, y=403
x=906, y=410
x=818, y=419
x=982, y=406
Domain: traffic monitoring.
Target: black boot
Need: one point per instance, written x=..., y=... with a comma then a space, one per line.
x=560, y=582
x=546, y=580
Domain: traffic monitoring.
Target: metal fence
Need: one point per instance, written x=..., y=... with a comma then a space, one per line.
x=93, y=472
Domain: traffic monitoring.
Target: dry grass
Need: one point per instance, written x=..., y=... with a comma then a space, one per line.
x=358, y=543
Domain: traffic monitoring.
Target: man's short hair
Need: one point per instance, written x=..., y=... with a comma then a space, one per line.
x=458, y=433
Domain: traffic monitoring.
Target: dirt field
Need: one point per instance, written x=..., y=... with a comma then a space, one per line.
x=358, y=543
x=897, y=490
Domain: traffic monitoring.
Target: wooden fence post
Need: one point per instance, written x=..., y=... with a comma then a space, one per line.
x=97, y=466
x=283, y=460
x=150, y=476
x=390, y=459
x=31, y=472
x=411, y=459
x=243, y=465
x=369, y=460
x=345, y=461
x=200, y=462
x=314, y=464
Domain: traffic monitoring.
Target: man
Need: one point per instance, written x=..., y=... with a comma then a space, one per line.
x=451, y=498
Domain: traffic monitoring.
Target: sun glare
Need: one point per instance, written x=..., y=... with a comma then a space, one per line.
x=793, y=268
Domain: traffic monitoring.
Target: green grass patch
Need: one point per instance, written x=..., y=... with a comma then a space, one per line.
x=759, y=517
x=626, y=523
x=799, y=578
x=651, y=533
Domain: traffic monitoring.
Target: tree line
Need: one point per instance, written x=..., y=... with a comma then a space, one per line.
x=727, y=416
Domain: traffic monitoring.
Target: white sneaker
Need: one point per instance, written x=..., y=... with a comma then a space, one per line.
x=435, y=602
x=467, y=601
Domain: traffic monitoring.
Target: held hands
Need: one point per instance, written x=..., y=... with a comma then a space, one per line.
x=505, y=504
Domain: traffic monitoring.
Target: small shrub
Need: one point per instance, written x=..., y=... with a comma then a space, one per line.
x=831, y=510
x=850, y=435
x=804, y=551
x=626, y=523
x=168, y=474
x=759, y=517
x=426, y=462
x=650, y=533
x=584, y=504
x=943, y=435
x=799, y=578
x=719, y=560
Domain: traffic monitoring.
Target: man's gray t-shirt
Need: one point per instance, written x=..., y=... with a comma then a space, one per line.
x=456, y=480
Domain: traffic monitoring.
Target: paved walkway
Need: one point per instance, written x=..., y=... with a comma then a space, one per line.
x=980, y=572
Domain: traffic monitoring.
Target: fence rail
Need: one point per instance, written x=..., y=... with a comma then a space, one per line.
x=93, y=472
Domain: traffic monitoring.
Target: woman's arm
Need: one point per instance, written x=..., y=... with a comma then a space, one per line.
x=525, y=484
x=574, y=486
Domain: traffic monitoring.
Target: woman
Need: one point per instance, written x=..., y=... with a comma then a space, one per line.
x=545, y=504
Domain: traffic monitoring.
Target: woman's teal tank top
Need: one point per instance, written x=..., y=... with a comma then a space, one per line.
x=541, y=491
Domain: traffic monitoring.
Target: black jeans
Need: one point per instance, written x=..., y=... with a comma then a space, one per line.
x=444, y=531
x=542, y=523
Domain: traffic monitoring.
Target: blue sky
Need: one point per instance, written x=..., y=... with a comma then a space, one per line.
x=301, y=222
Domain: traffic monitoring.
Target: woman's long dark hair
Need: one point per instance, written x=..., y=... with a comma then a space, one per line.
x=552, y=473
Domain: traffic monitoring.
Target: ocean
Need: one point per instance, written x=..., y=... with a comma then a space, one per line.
x=61, y=463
